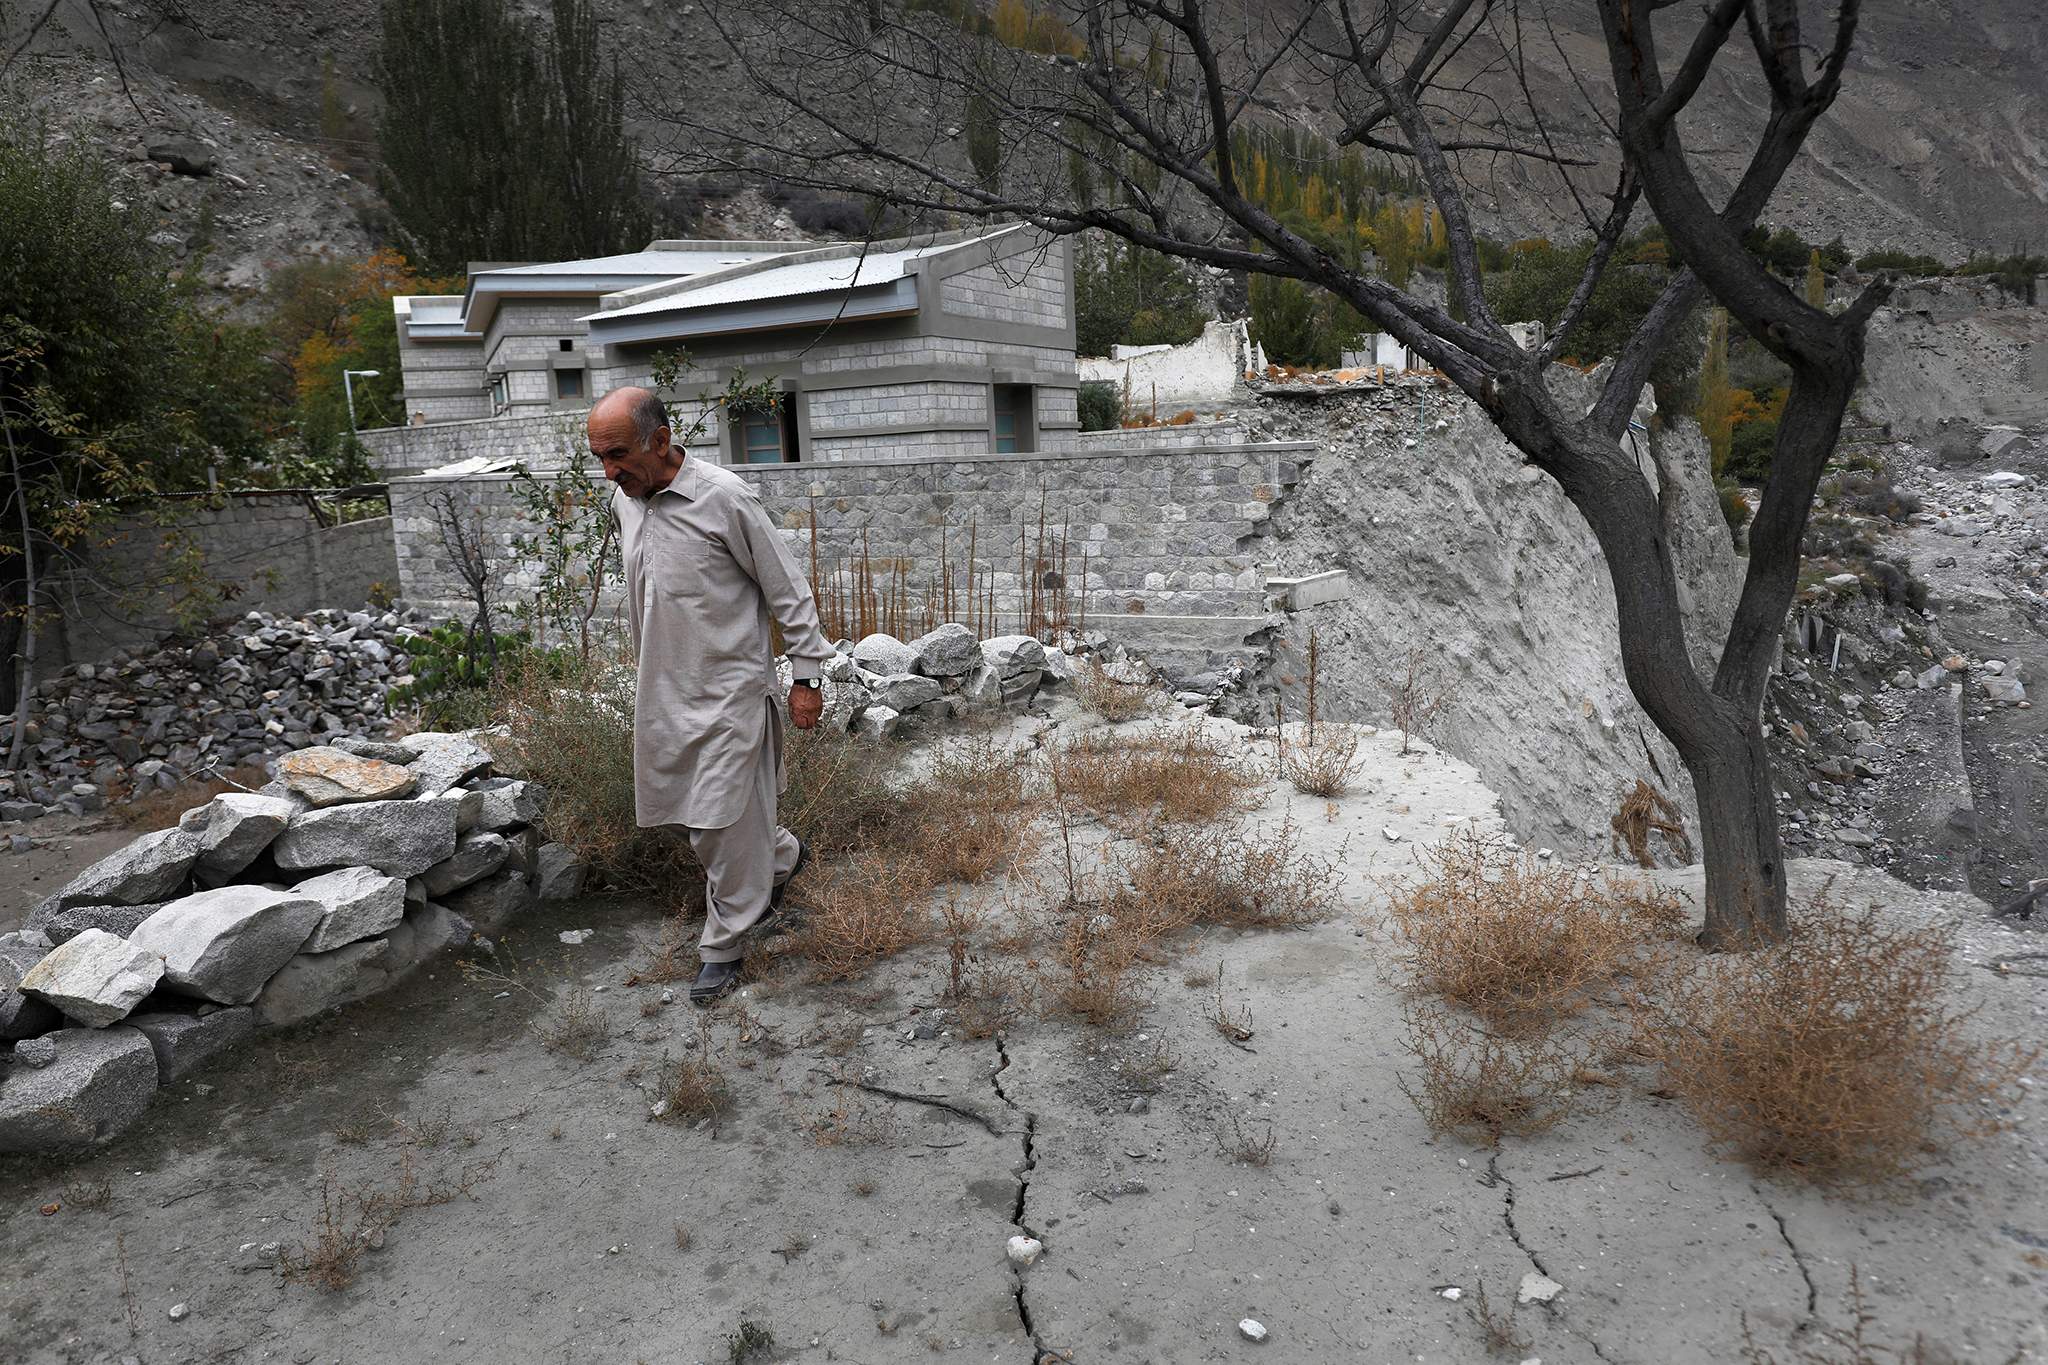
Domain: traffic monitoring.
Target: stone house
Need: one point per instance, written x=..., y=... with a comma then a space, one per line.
x=934, y=346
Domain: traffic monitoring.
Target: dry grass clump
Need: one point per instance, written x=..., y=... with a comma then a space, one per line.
x=1483, y=1085
x=1242, y=876
x=1176, y=776
x=1111, y=698
x=1518, y=942
x=1323, y=765
x=1834, y=1054
x=839, y=797
x=1246, y=1148
x=862, y=909
x=1093, y=963
x=1415, y=696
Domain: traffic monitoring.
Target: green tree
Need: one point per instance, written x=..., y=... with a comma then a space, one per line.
x=505, y=139
x=1816, y=281
x=1284, y=321
x=1127, y=294
x=1538, y=282
x=1716, y=401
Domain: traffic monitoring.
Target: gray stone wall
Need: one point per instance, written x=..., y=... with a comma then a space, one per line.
x=268, y=547
x=1166, y=532
x=444, y=380
x=1178, y=438
x=543, y=440
x=1030, y=288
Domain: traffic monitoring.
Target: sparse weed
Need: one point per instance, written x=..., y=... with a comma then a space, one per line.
x=1503, y=1337
x=1162, y=775
x=1520, y=943
x=1646, y=811
x=1415, y=696
x=750, y=1341
x=846, y=1124
x=577, y=1027
x=673, y=957
x=1855, y=1344
x=1246, y=1148
x=89, y=1194
x=1324, y=766
x=352, y=1222
x=693, y=1088
x=1234, y=1024
x=864, y=908
x=1835, y=1054
x=682, y=1238
x=1094, y=959
x=1236, y=875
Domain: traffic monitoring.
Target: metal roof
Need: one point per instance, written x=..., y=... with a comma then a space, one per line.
x=653, y=264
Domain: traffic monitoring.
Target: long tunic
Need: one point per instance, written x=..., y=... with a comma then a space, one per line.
x=705, y=570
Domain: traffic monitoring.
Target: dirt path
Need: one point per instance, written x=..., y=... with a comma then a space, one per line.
x=863, y=1226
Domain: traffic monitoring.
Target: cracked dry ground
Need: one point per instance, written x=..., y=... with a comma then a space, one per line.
x=856, y=1200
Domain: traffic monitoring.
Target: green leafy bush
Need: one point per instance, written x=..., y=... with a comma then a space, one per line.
x=1130, y=295
x=1101, y=406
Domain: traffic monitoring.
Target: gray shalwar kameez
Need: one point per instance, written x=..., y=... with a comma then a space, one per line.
x=705, y=569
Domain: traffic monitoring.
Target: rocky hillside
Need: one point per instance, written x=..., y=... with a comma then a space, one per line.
x=1928, y=149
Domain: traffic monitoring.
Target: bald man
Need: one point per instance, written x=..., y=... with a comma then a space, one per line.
x=705, y=571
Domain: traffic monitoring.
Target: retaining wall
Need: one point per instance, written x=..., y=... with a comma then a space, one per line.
x=267, y=546
x=1176, y=532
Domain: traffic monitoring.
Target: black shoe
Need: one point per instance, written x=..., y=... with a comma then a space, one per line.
x=715, y=981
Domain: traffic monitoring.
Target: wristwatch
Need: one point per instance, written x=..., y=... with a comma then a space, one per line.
x=814, y=684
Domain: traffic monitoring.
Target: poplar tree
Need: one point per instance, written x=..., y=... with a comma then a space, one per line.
x=1717, y=403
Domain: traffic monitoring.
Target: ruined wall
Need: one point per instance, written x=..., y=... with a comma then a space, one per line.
x=1457, y=548
x=1205, y=374
x=1174, y=532
x=542, y=440
x=267, y=547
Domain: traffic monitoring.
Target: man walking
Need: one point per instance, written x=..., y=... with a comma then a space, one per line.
x=705, y=569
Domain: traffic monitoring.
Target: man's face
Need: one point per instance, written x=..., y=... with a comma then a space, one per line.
x=638, y=468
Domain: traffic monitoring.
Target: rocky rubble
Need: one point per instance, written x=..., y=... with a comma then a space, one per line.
x=145, y=720
x=881, y=687
x=362, y=861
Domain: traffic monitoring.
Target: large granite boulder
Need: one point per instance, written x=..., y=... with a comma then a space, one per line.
x=388, y=751
x=951, y=651
x=118, y=920
x=446, y=760
x=312, y=982
x=328, y=776
x=23, y=1016
x=491, y=904
x=357, y=903
x=100, y=1082
x=185, y=1042
x=476, y=856
x=95, y=977
x=557, y=875
x=1011, y=655
x=151, y=868
x=884, y=654
x=223, y=945
x=239, y=826
x=425, y=932
x=507, y=803
x=905, y=691
x=399, y=838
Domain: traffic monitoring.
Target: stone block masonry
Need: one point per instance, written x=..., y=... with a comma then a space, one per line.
x=1175, y=532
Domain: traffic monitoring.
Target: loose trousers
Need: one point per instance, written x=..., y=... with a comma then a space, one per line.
x=745, y=861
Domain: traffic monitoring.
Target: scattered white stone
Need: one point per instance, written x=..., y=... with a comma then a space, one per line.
x=1252, y=1329
x=180, y=1311
x=1451, y=1292
x=1022, y=1251
x=1538, y=1288
x=575, y=936
x=1393, y=835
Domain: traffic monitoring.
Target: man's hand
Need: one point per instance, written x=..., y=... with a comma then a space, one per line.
x=806, y=705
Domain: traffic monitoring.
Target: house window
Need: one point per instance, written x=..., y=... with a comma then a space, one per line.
x=501, y=393
x=568, y=384
x=1013, y=431
x=768, y=437
x=567, y=344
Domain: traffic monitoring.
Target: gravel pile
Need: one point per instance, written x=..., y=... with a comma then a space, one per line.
x=145, y=720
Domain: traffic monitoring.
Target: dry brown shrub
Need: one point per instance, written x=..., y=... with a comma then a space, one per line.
x=1325, y=765
x=1111, y=698
x=1503, y=1337
x=1177, y=776
x=1483, y=1085
x=862, y=909
x=1247, y=877
x=1093, y=963
x=1415, y=696
x=1835, y=1054
x=1646, y=811
x=673, y=957
x=1519, y=942
x=846, y=1123
x=1247, y=1148
x=963, y=820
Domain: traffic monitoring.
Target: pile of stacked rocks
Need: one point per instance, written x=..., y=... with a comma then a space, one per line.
x=145, y=720
x=359, y=864
x=883, y=687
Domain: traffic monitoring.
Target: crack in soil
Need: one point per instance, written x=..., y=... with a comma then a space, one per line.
x=1507, y=1213
x=1798, y=1259
x=1040, y=1352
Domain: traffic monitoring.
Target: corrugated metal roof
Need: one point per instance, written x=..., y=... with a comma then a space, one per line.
x=796, y=278
x=655, y=264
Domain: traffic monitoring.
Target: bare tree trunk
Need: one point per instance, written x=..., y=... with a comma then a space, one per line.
x=25, y=655
x=1739, y=839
